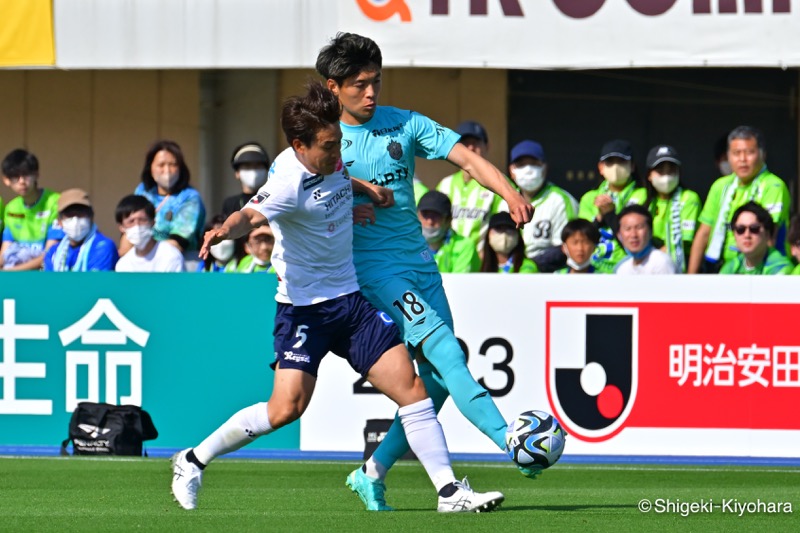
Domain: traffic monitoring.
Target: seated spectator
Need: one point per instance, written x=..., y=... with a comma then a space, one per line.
x=580, y=238
x=674, y=208
x=504, y=251
x=250, y=164
x=31, y=218
x=554, y=206
x=601, y=205
x=136, y=217
x=754, y=229
x=83, y=247
x=180, y=213
x=636, y=236
x=793, y=236
x=225, y=256
x=259, y=246
x=452, y=252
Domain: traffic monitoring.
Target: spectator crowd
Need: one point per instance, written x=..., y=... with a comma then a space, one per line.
x=632, y=223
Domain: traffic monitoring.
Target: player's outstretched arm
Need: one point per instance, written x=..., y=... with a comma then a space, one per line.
x=380, y=196
x=238, y=224
x=490, y=177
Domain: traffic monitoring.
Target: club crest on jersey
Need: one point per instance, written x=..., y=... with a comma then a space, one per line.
x=395, y=150
x=259, y=198
x=313, y=181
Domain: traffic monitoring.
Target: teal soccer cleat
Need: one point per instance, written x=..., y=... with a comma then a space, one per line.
x=530, y=472
x=369, y=489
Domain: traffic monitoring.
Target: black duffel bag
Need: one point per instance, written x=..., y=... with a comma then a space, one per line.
x=105, y=429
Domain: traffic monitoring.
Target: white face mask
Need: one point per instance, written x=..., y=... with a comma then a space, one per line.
x=725, y=168
x=76, y=228
x=578, y=266
x=253, y=178
x=434, y=234
x=664, y=183
x=139, y=236
x=166, y=181
x=503, y=242
x=530, y=178
x=617, y=174
x=259, y=262
x=223, y=251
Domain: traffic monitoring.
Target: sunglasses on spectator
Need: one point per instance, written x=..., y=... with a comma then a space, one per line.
x=20, y=178
x=755, y=229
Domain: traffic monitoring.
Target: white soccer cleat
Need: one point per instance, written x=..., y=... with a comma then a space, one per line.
x=186, y=480
x=466, y=500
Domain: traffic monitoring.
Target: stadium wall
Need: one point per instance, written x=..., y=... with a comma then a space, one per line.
x=652, y=366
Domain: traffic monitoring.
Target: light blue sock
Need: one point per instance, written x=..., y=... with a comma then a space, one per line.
x=445, y=354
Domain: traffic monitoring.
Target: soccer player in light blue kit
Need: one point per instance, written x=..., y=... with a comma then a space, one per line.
x=395, y=268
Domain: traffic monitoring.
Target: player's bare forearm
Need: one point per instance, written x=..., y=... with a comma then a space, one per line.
x=698, y=249
x=380, y=196
x=237, y=225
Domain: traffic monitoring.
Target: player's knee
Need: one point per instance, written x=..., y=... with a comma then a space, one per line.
x=417, y=392
x=285, y=413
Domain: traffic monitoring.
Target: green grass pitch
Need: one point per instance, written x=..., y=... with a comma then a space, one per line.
x=118, y=494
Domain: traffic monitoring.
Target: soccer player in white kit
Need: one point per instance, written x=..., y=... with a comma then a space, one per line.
x=308, y=201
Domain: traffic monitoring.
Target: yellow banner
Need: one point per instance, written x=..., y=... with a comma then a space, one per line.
x=26, y=33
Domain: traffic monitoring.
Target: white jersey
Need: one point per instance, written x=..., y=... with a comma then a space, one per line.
x=656, y=262
x=311, y=217
x=162, y=258
x=553, y=208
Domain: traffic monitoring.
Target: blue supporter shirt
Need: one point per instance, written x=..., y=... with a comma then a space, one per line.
x=382, y=151
x=182, y=214
x=102, y=255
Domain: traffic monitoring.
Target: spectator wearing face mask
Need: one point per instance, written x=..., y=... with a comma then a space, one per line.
x=674, y=208
x=553, y=206
x=136, y=217
x=452, y=252
x=224, y=256
x=602, y=204
x=579, y=237
x=504, y=251
x=83, y=247
x=250, y=163
x=179, y=211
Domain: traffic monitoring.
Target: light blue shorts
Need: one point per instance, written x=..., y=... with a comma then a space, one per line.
x=416, y=302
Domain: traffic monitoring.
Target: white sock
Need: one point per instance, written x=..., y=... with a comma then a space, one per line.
x=426, y=439
x=241, y=429
x=374, y=469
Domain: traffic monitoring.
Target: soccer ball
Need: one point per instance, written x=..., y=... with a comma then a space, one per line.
x=535, y=439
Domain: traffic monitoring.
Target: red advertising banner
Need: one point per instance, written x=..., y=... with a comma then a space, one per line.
x=673, y=365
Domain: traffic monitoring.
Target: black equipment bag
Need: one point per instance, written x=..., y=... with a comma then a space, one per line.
x=105, y=429
x=374, y=432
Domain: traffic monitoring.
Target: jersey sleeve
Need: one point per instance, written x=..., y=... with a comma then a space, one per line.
x=103, y=256
x=587, y=210
x=708, y=215
x=690, y=211
x=274, y=198
x=776, y=200
x=186, y=217
x=433, y=141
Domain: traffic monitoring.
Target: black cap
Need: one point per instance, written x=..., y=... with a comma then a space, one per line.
x=249, y=153
x=470, y=128
x=617, y=148
x=435, y=201
x=659, y=154
x=502, y=220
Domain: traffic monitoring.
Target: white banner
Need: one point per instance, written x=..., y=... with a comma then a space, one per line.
x=517, y=34
x=715, y=361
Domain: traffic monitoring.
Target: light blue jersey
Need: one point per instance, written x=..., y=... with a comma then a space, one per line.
x=382, y=151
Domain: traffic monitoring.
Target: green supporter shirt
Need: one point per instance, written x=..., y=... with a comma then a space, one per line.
x=689, y=208
x=247, y=266
x=472, y=206
x=796, y=271
x=457, y=255
x=419, y=190
x=528, y=267
x=767, y=189
x=609, y=252
x=29, y=228
x=775, y=263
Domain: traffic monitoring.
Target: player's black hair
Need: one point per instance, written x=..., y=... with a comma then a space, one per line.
x=793, y=235
x=303, y=116
x=183, y=170
x=721, y=148
x=748, y=132
x=131, y=204
x=20, y=162
x=762, y=215
x=580, y=225
x=347, y=55
x=639, y=210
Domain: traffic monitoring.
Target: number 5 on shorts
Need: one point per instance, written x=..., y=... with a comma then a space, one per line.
x=300, y=335
x=412, y=308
